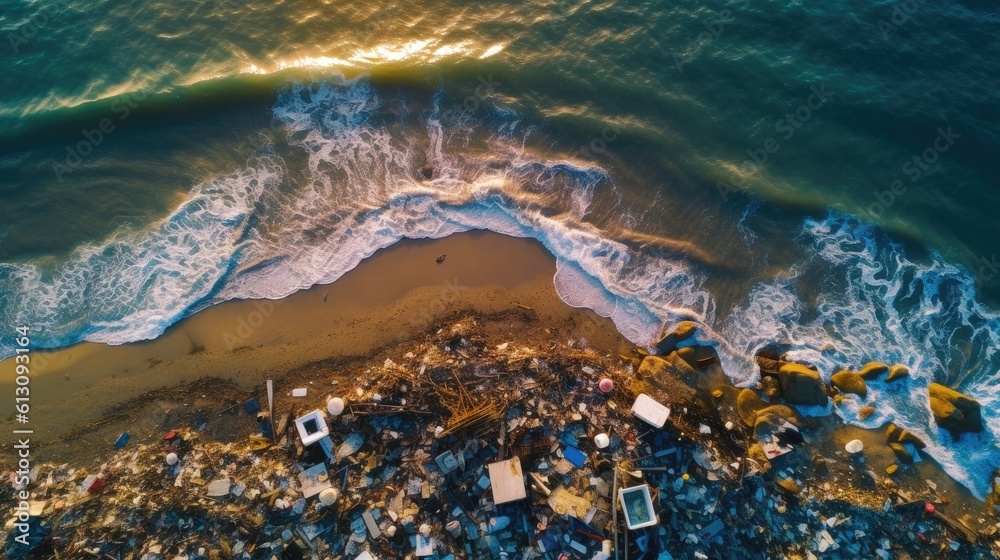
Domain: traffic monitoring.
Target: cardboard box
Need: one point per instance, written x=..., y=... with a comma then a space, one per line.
x=507, y=481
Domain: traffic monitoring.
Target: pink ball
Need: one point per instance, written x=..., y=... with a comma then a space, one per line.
x=605, y=385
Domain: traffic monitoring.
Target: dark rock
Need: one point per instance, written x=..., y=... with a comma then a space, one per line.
x=892, y=432
x=689, y=355
x=768, y=366
x=802, y=385
x=954, y=411
x=427, y=171
x=849, y=382
x=667, y=344
x=769, y=420
x=901, y=453
x=906, y=436
x=684, y=330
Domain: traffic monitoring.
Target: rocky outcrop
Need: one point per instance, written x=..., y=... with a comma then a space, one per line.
x=849, y=382
x=871, y=370
x=771, y=387
x=954, y=411
x=670, y=375
x=689, y=355
x=770, y=419
x=901, y=453
x=906, y=436
x=769, y=366
x=897, y=371
x=683, y=331
x=747, y=405
x=801, y=385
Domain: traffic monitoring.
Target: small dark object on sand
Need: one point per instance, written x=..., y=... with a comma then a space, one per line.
x=427, y=171
x=440, y=259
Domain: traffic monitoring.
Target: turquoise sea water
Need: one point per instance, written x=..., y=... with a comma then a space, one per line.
x=818, y=176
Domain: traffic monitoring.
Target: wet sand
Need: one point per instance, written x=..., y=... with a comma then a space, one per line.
x=397, y=293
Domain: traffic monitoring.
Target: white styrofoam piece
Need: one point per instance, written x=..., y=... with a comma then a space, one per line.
x=647, y=409
x=305, y=425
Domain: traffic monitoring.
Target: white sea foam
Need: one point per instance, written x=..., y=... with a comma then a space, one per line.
x=875, y=304
x=259, y=234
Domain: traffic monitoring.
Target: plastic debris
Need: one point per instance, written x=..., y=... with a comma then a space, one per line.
x=854, y=446
x=650, y=411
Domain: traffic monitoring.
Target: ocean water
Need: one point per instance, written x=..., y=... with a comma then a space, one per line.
x=817, y=177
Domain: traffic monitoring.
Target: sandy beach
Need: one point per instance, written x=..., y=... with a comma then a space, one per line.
x=396, y=293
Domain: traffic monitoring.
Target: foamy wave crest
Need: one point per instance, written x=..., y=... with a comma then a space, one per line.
x=875, y=304
x=362, y=195
x=268, y=231
x=136, y=284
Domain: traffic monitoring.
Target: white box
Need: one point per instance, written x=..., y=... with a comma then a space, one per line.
x=647, y=409
x=637, y=505
x=312, y=427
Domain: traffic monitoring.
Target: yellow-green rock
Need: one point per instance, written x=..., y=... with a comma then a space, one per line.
x=954, y=411
x=872, y=370
x=901, y=453
x=684, y=330
x=897, y=371
x=849, y=382
x=801, y=385
x=747, y=405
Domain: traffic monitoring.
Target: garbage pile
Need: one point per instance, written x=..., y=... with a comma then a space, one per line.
x=460, y=446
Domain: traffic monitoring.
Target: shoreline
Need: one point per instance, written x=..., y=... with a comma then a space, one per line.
x=391, y=295
x=319, y=338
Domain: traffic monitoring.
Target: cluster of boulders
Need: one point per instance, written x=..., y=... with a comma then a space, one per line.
x=785, y=382
x=802, y=384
